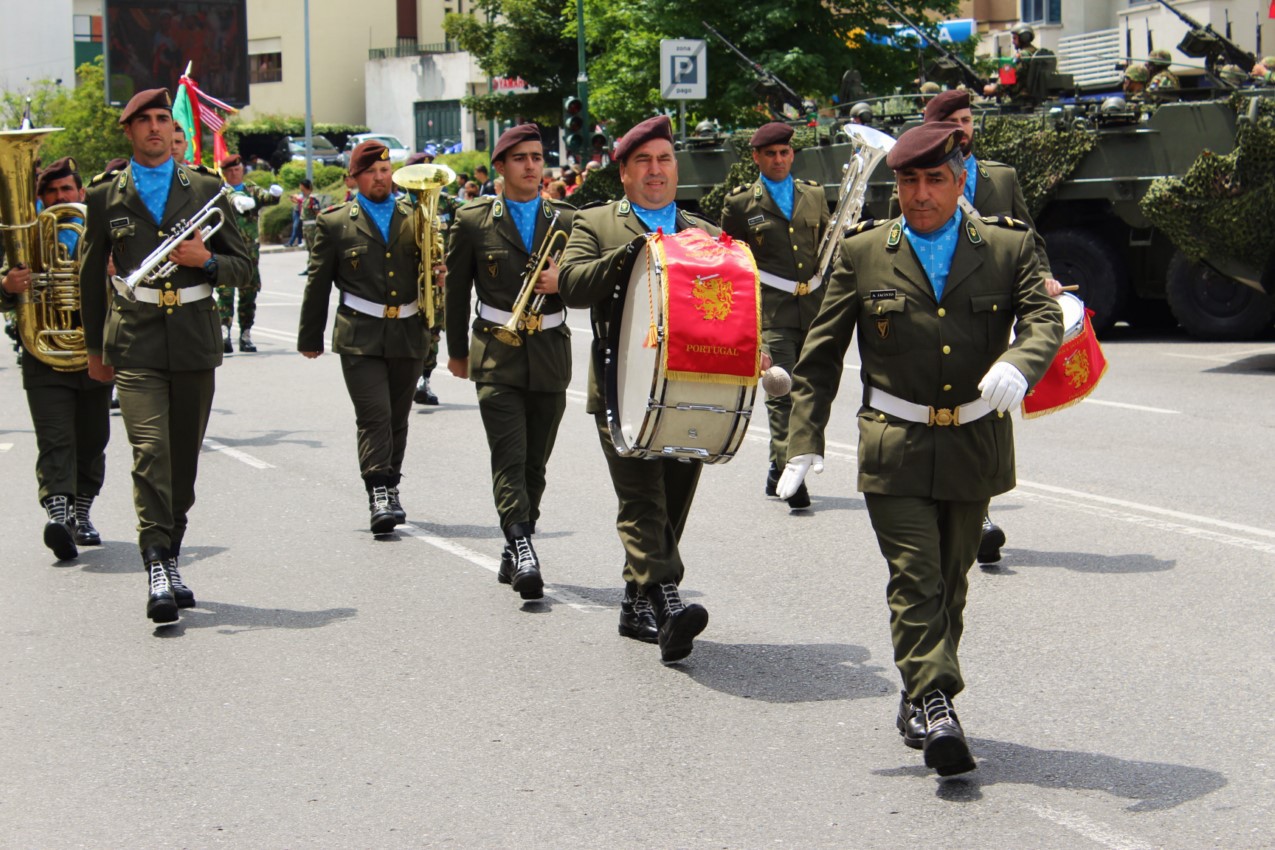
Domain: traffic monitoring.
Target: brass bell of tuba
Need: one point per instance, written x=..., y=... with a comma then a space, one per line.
x=49, y=311
x=425, y=182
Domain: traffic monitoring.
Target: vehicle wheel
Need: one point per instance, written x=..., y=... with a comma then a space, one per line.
x=1210, y=305
x=1083, y=258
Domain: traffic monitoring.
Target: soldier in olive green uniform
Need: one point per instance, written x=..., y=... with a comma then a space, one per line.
x=367, y=249
x=782, y=220
x=932, y=297
x=310, y=209
x=1164, y=85
x=522, y=387
x=70, y=412
x=248, y=200
x=164, y=346
x=1022, y=37
x=654, y=495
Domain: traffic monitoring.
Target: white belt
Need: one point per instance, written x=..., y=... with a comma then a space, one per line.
x=792, y=287
x=502, y=317
x=924, y=414
x=381, y=311
x=173, y=297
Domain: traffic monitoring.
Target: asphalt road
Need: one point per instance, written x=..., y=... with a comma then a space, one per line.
x=335, y=691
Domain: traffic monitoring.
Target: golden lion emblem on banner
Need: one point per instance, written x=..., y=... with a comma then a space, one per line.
x=713, y=297
x=1076, y=368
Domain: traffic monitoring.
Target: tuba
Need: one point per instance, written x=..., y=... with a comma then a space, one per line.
x=425, y=182
x=870, y=147
x=49, y=312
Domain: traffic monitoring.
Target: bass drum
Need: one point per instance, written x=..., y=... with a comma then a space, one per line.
x=651, y=415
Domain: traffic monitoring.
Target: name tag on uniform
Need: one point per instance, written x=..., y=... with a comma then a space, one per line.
x=119, y=222
x=757, y=219
x=883, y=294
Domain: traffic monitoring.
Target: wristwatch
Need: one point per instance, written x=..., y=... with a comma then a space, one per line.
x=210, y=267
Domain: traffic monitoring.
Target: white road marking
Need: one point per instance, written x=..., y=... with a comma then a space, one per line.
x=242, y=457
x=4, y=447
x=1085, y=826
x=1218, y=358
x=492, y=565
x=274, y=334
x=1124, y=406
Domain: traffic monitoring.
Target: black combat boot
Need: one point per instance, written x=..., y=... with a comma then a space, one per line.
x=637, y=617
x=184, y=595
x=911, y=723
x=423, y=394
x=526, y=579
x=59, y=531
x=161, y=605
x=679, y=624
x=245, y=341
x=396, y=507
x=378, y=504
x=226, y=345
x=945, y=747
x=800, y=499
x=989, y=545
x=85, y=533
x=772, y=479
x=505, y=575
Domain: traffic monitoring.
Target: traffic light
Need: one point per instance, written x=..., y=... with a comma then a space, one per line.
x=600, y=143
x=573, y=125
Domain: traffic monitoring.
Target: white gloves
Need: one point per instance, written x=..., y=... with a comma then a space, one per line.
x=243, y=203
x=276, y=190
x=1003, y=387
x=795, y=473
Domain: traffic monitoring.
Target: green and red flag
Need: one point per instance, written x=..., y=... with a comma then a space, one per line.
x=184, y=114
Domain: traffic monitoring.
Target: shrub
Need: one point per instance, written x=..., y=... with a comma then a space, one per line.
x=466, y=161
x=292, y=173
x=275, y=223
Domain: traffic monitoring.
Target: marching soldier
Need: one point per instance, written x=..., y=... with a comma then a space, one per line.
x=1022, y=37
x=70, y=412
x=521, y=388
x=179, y=144
x=424, y=394
x=991, y=188
x=310, y=209
x=161, y=345
x=782, y=220
x=931, y=297
x=247, y=201
x=367, y=249
x=654, y=495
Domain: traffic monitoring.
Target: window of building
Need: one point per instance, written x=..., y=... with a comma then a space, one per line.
x=1042, y=11
x=265, y=68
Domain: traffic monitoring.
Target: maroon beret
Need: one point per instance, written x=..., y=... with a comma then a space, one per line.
x=658, y=127
x=366, y=154
x=926, y=146
x=64, y=167
x=514, y=136
x=942, y=105
x=230, y=161
x=117, y=164
x=419, y=158
x=144, y=100
x=774, y=133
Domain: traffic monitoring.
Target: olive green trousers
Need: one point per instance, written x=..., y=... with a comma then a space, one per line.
x=521, y=427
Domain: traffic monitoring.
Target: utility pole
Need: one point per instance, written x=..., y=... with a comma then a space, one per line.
x=309, y=117
x=582, y=81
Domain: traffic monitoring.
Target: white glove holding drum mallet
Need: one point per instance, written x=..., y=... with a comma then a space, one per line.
x=1003, y=387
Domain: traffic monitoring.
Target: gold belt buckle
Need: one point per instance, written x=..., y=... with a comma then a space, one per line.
x=945, y=416
x=170, y=298
x=391, y=311
x=531, y=323
x=803, y=288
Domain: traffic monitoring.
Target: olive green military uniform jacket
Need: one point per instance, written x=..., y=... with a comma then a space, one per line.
x=136, y=334
x=927, y=352
x=997, y=192
x=485, y=252
x=593, y=265
x=350, y=253
x=784, y=248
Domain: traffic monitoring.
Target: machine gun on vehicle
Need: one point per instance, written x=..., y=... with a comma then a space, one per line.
x=1204, y=42
x=948, y=62
x=772, y=89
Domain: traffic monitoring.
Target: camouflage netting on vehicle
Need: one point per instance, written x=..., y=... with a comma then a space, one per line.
x=1221, y=208
x=744, y=171
x=1042, y=155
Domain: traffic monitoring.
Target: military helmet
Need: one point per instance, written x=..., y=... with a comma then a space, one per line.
x=1160, y=57
x=1233, y=74
x=1137, y=73
x=1269, y=62
x=861, y=110
x=1115, y=103
x=930, y=87
x=705, y=128
x=1026, y=35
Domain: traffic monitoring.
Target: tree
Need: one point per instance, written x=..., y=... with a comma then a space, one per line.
x=519, y=38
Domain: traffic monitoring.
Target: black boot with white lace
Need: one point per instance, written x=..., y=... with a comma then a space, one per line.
x=945, y=748
x=85, y=533
x=59, y=531
x=378, y=504
x=161, y=605
x=526, y=579
x=679, y=623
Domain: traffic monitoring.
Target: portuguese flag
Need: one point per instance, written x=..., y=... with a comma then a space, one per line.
x=184, y=114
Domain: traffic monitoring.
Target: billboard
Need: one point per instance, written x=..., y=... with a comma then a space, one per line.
x=149, y=42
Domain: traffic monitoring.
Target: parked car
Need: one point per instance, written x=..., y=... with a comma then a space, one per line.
x=398, y=151
x=292, y=149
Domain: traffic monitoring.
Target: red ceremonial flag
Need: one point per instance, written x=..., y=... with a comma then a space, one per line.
x=1271, y=12
x=219, y=150
x=712, y=309
x=1074, y=374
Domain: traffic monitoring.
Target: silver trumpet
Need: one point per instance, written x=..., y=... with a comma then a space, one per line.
x=157, y=266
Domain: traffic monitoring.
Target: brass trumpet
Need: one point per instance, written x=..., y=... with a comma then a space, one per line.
x=526, y=312
x=425, y=182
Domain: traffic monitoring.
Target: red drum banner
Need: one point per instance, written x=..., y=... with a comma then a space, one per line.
x=1073, y=375
x=712, y=309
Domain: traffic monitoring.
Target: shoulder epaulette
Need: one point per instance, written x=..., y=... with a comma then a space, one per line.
x=333, y=208
x=565, y=206
x=481, y=200
x=1006, y=221
x=104, y=176
x=592, y=205
x=864, y=226
x=202, y=169
x=809, y=182
x=740, y=188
